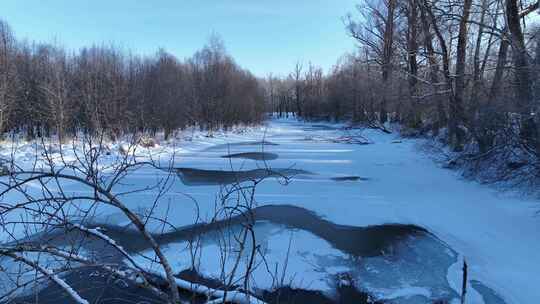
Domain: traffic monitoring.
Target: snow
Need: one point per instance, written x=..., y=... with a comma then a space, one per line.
x=497, y=233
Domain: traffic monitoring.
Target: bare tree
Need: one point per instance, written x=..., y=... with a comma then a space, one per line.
x=60, y=227
x=7, y=74
x=297, y=79
x=457, y=135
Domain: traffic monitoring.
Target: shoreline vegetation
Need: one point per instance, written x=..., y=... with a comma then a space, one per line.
x=46, y=90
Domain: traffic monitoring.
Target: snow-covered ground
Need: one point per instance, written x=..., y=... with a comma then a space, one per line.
x=497, y=233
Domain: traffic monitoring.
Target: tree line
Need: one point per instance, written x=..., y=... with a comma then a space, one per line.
x=464, y=71
x=46, y=90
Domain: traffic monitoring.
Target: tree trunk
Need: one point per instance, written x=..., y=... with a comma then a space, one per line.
x=456, y=107
x=433, y=68
x=388, y=41
x=529, y=130
x=519, y=52
x=412, y=50
x=476, y=65
x=499, y=69
x=444, y=54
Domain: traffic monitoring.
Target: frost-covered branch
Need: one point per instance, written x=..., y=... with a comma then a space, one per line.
x=49, y=274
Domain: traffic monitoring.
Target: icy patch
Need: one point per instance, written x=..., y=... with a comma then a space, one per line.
x=414, y=269
x=411, y=271
x=296, y=265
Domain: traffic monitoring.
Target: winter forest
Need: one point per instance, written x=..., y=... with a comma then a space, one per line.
x=405, y=172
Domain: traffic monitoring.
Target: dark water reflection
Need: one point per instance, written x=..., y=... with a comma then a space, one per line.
x=260, y=156
x=200, y=177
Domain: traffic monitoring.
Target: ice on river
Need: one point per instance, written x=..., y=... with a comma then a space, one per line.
x=496, y=233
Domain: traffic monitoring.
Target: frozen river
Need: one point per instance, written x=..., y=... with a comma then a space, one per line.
x=359, y=204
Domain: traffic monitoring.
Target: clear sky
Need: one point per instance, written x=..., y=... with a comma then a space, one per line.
x=265, y=36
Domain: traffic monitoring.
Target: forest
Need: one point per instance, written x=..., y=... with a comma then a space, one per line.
x=46, y=90
x=467, y=68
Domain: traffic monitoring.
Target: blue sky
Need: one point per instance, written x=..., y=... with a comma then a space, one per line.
x=265, y=36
